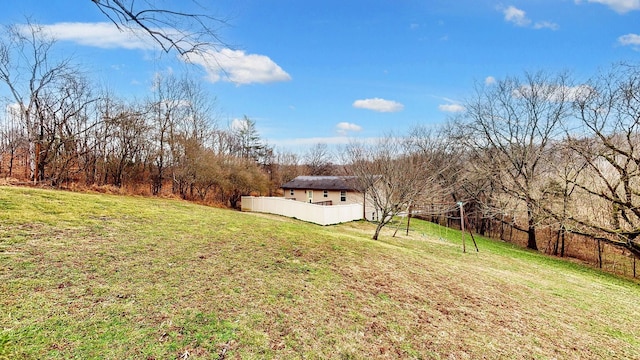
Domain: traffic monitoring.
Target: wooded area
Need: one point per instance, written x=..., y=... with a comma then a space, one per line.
x=536, y=153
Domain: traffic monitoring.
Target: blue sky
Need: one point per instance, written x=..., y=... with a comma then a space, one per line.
x=329, y=71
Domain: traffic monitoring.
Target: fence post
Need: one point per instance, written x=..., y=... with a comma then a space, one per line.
x=464, y=247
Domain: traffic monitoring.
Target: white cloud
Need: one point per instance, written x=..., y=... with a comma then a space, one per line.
x=238, y=67
x=336, y=143
x=348, y=126
x=335, y=140
x=514, y=15
x=489, y=80
x=102, y=35
x=238, y=124
x=555, y=93
x=377, y=104
x=344, y=127
x=632, y=40
x=176, y=103
x=231, y=65
x=13, y=110
x=519, y=18
x=452, y=108
x=546, y=25
x=579, y=92
x=619, y=6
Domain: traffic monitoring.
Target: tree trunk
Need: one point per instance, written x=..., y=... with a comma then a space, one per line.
x=531, y=232
x=531, y=238
x=409, y=219
x=599, y=255
x=234, y=199
x=378, y=228
x=483, y=225
x=11, y=162
x=556, y=245
x=32, y=161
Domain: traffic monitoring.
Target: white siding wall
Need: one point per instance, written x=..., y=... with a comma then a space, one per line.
x=353, y=197
x=323, y=215
x=371, y=213
x=318, y=196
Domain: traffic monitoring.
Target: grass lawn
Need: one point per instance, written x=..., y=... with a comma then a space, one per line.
x=92, y=276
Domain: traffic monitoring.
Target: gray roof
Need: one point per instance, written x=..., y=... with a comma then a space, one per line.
x=323, y=183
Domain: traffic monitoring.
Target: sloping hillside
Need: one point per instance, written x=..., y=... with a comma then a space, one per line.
x=99, y=276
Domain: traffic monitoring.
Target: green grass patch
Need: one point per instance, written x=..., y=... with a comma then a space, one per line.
x=96, y=276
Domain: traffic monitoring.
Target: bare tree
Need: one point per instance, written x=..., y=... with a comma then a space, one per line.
x=172, y=29
x=31, y=73
x=565, y=167
x=127, y=143
x=65, y=109
x=287, y=167
x=318, y=160
x=13, y=140
x=450, y=181
x=200, y=117
x=510, y=125
x=97, y=146
x=608, y=191
x=165, y=108
x=180, y=117
x=442, y=156
x=389, y=174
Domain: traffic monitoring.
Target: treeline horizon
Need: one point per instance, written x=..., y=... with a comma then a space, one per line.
x=538, y=151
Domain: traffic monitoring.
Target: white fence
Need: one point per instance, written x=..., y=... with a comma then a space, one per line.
x=319, y=214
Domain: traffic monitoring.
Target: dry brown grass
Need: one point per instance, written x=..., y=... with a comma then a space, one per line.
x=97, y=276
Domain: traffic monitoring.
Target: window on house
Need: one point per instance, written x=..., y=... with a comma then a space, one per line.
x=343, y=196
x=291, y=192
x=325, y=193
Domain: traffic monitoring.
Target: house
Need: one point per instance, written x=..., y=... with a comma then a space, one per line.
x=323, y=200
x=323, y=190
x=328, y=190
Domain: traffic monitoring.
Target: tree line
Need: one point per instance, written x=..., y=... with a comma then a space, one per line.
x=59, y=128
x=535, y=151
